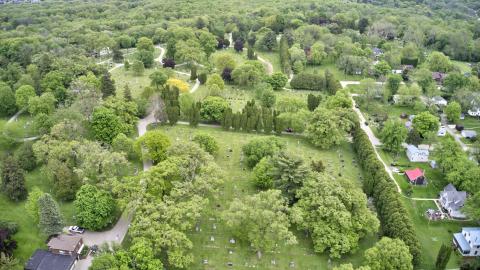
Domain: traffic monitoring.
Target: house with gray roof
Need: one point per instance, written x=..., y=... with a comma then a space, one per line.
x=467, y=242
x=45, y=260
x=416, y=154
x=452, y=201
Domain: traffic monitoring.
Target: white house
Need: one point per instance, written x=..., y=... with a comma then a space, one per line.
x=439, y=101
x=469, y=134
x=415, y=154
x=467, y=242
x=453, y=200
x=397, y=71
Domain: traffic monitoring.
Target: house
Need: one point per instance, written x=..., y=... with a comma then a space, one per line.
x=433, y=164
x=415, y=154
x=452, y=201
x=467, y=242
x=439, y=101
x=416, y=176
x=438, y=77
x=66, y=245
x=474, y=111
x=407, y=67
x=468, y=134
x=44, y=260
x=397, y=71
x=377, y=52
x=408, y=125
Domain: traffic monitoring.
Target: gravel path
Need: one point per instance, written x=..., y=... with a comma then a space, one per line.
x=268, y=65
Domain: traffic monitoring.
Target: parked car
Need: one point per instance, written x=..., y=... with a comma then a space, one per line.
x=76, y=229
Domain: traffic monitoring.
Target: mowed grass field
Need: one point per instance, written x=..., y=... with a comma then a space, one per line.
x=211, y=241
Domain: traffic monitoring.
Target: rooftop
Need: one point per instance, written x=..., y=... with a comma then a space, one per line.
x=64, y=242
x=414, y=174
x=44, y=260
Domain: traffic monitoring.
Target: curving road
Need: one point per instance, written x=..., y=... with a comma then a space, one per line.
x=118, y=232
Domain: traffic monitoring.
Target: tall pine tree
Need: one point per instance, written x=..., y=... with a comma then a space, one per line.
x=227, y=119
x=127, y=93
x=51, y=221
x=107, y=85
x=267, y=120
x=13, y=180
x=194, y=114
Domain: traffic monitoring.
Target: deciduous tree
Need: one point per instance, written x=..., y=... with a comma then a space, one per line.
x=94, y=208
x=260, y=219
x=393, y=134
x=389, y=254
x=13, y=180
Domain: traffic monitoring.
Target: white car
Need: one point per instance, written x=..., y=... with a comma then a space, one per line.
x=76, y=229
x=442, y=131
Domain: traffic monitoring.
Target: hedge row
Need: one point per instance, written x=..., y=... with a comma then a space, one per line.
x=393, y=215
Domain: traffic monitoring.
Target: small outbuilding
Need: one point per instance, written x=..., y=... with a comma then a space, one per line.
x=66, y=245
x=416, y=176
x=439, y=101
x=415, y=154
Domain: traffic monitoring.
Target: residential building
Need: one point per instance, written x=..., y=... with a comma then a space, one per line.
x=415, y=154
x=468, y=134
x=452, y=201
x=439, y=101
x=439, y=77
x=416, y=177
x=45, y=260
x=467, y=242
x=377, y=52
x=66, y=245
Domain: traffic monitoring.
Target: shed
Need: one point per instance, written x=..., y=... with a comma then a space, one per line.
x=416, y=176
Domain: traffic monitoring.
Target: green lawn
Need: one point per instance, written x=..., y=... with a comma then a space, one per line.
x=135, y=83
x=470, y=123
x=237, y=185
x=28, y=236
x=273, y=57
x=333, y=68
x=432, y=234
x=435, y=179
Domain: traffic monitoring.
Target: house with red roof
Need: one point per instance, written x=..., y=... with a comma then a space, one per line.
x=416, y=177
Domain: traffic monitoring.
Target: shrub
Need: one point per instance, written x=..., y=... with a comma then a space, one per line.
x=259, y=148
x=207, y=142
x=308, y=81
x=212, y=109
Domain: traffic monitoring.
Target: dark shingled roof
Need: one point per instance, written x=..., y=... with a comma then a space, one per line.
x=44, y=260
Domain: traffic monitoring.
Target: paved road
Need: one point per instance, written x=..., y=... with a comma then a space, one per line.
x=230, y=38
x=453, y=132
